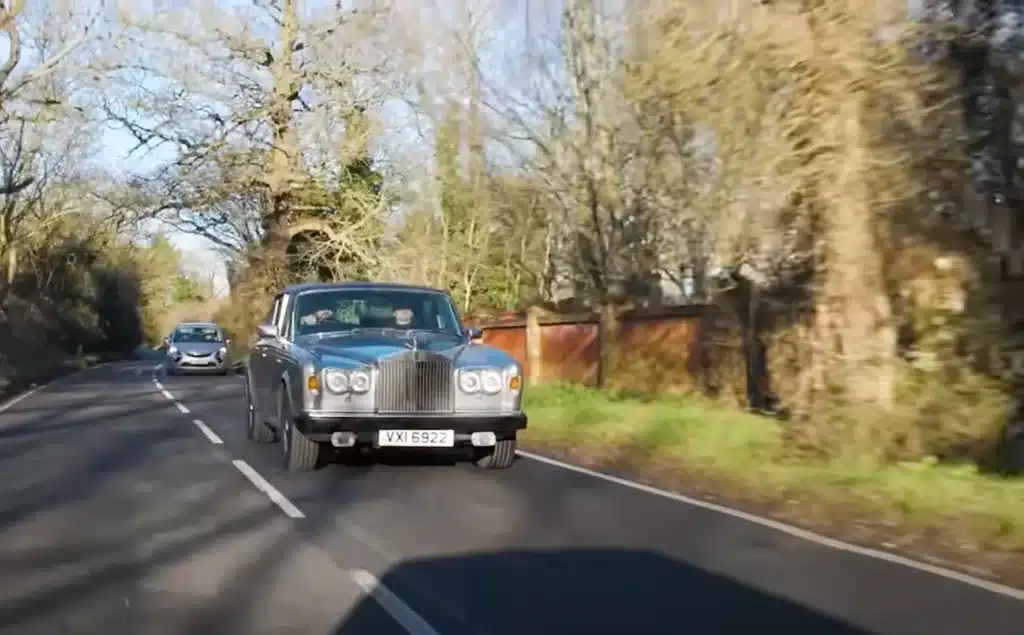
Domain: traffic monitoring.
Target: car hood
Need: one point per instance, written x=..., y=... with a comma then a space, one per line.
x=197, y=347
x=369, y=348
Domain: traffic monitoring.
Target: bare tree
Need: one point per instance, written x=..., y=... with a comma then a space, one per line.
x=237, y=98
x=41, y=132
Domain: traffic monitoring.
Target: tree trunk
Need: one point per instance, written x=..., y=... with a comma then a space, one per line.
x=608, y=336
x=534, y=347
x=283, y=164
x=855, y=326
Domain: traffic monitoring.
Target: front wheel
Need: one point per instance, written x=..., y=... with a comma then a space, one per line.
x=300, y=454
x=256, y=430
x=500, y=457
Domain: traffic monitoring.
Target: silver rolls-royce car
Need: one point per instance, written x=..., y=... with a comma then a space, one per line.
x=197, y=347
x=364, y=366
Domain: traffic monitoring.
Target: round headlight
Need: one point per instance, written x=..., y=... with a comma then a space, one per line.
x=173, y=350
x=491, y=382
x=223, y=350
x=336, y=380
x=469, y=382
x=359, y=381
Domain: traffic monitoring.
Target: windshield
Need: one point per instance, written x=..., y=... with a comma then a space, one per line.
x=196, y=334
x=349, y=309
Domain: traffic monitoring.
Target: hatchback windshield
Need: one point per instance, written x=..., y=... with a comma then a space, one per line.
x=196, y=334
x=348, y=309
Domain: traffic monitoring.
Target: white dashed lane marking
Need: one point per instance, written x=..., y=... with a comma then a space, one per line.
x=272, y=492
x=182, y=407
x=207, y=432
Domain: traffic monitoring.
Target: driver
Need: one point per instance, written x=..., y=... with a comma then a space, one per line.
x=403, y=317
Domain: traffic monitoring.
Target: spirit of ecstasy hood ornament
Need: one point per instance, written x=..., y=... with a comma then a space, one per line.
x=412, y=342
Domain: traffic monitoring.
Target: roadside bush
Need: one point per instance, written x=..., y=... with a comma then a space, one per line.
x=252, y=291
x=74, y=295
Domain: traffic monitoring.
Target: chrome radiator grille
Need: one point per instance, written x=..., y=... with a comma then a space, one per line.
x=415, y=382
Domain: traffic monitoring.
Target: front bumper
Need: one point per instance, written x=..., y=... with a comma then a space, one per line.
x=366, y=427
x=187, y=364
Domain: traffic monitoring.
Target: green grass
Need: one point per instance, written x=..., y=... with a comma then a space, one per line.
x=683, y=438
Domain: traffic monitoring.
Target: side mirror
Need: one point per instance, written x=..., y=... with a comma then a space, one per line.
x=267, y=331
x=475, y=334
x=227, y=341
x=166, y=343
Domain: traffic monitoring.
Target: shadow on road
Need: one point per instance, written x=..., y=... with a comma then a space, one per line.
x=586, y=592
x=116, y=516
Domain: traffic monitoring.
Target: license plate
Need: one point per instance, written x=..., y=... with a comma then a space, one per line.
x=416, y=438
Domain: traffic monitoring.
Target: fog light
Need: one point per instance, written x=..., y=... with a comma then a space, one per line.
x=343, y=439
x=482, y=439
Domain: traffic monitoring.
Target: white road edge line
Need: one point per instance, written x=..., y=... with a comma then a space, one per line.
x=28, y=393
x=272, y=493
x=167, y=394
x=796, y=532
x=791, y=530
x=210, y=434
x=407, y=618
x=182, y=407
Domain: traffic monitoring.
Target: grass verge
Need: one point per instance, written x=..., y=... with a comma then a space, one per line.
x=948, y=513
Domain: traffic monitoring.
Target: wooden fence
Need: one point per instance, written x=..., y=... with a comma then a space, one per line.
x=668, y=349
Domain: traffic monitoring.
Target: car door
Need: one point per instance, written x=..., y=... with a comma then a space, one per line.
x=258, y=370
x=277, y=353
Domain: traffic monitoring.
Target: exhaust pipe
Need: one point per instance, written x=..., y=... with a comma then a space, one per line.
x=343, y=439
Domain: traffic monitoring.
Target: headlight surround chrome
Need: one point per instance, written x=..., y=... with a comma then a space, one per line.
x=491, y=382
x=359, y=381
x=340, y=381
x=488, y=381
x=336, y=380
x=469, y=381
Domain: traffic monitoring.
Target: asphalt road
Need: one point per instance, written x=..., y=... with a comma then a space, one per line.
x=117, y=510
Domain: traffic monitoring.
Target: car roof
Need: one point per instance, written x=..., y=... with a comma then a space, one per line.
x=358, y=286
x=199, y=324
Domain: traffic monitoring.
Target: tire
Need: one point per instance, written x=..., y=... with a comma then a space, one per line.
x=500, y=457
x=256, y=429
x=300, y=454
